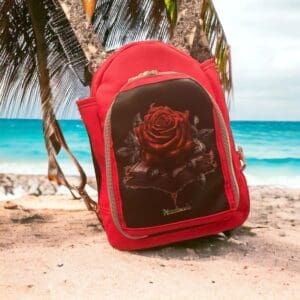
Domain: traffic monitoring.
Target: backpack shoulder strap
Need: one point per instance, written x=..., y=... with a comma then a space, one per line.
x=55, y=142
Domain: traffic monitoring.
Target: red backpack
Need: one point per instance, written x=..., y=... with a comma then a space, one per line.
x=166, y=164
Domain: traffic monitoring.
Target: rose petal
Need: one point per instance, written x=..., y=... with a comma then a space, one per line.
x=164, y=134
x=139, y=133
x=148, y=157
x=152, y=136
x=189, y=145
x=163, y=121
x=168, y=146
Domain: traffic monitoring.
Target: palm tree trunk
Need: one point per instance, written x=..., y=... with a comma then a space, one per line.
x=84, y=32
x=199, y=32
x=189, y=35
x=190, y=32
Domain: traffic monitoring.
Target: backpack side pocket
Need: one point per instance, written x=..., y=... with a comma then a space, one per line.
x=88, y=111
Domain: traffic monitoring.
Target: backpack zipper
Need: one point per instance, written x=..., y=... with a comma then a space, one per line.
x=107, y=136
x=150, y=74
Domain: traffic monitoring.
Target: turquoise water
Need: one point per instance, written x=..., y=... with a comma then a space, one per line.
x=272, y=149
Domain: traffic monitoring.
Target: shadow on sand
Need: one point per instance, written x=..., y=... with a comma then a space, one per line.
x=233, y=241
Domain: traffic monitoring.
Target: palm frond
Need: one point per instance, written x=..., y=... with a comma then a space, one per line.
x=40, y=58
x=118, y=22
x=35, y=58
x=171, y=7
x=217, y=43
x=64, y=41
x=66, y=62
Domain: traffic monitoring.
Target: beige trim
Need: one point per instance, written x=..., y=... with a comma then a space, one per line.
x=107, y=145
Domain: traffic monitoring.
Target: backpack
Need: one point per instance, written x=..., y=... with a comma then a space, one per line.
x=165, y=160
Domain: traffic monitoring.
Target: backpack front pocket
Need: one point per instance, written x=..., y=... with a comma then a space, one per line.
x=168, y=157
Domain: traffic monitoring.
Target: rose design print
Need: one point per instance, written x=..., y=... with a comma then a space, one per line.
x=166, y=152
x=164, y=135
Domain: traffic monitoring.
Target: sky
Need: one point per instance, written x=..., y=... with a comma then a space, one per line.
x=265, y=40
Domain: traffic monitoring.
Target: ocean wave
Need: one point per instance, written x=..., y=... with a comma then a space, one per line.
x=274, y=160
x=278, y=181
x=41, y=168
x=271, y=177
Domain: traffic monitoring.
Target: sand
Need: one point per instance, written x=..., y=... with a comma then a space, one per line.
x=51, y=247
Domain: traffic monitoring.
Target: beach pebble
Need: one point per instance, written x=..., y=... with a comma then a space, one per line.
x=222, y=236
x=47, y=188
x=34, y=187
x=25, y=217
x=10, y=205
x=191, y=251
x=269, y=207
x=237, y=242
x=276, y=226
x=6, y=184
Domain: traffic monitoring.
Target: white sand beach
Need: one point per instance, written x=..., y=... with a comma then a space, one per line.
x=51, y=247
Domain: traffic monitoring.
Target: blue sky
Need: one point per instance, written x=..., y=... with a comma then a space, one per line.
x=265, y=40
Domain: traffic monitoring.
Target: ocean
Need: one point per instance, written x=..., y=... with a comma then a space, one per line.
x=272, y=149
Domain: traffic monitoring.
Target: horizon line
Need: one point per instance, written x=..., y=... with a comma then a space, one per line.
x=79, y=119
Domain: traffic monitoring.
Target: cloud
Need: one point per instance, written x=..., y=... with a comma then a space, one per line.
x=265, y=40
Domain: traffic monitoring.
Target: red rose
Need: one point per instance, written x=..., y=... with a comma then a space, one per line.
x=164, y=134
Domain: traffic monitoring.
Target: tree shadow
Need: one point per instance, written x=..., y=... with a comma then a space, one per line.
x=216, y=245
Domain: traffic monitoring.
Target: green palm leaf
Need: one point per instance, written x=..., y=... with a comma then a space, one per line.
x=217, y=43
x=171, y=6
x=18, y=57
